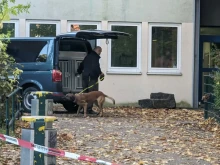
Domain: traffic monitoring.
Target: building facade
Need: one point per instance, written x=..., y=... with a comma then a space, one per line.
x=161, y=56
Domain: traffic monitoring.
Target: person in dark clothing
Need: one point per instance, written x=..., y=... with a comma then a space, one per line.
x=91, y=71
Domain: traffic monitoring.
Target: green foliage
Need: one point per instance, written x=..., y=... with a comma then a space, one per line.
x=183, y=104
x=8, y=7
x=9, y=73
x=216, y=86
x=7, y=69
x=216, y=89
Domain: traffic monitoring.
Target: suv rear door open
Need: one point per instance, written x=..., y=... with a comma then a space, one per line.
x=93, y=34
x=73, y=47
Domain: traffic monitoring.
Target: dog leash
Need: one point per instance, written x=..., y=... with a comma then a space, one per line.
x=101, y=79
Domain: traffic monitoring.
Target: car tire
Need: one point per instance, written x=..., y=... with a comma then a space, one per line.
x=26, y=98
x=70, y=106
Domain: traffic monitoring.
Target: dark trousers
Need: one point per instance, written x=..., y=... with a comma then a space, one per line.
x=91, y=85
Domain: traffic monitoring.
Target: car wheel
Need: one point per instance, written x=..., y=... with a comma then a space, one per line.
x=70, y=106
x=26, y=98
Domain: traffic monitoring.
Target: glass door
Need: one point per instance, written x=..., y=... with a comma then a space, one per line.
x=209, y=49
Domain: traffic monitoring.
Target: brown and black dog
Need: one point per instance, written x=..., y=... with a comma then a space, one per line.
x=206, y=97
x=84, y=99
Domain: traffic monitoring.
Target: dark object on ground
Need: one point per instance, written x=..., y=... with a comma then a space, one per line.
x=159, y=100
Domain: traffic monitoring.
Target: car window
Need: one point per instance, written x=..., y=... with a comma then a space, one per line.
x=73, y=45
x=28, y=51
x=42, y=57
x=93, y=43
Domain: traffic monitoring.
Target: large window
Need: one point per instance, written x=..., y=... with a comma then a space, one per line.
x=10, y=27
x=43, y=29
x=28, y=51
x=75, y=26
x=165, y=49
x=124, y=52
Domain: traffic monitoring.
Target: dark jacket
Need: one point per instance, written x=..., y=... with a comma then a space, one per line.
x=90, y=66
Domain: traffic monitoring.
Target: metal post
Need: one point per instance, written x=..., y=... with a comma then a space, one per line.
x=7, y=117
x=39, y=128
x=206, y=111
x=196, y=58
x=28, y=157
x=13, y=114
x=39, y=136
x=41, y=131
x=17, y=105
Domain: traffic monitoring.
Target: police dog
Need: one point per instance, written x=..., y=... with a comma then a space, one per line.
x=83, y=99
x=206, y=97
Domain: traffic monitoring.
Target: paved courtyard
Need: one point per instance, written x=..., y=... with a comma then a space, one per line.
x=134, y=136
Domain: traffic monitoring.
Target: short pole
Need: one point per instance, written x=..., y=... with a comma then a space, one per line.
x=39, y=137
x=13, y=114
x=7, y=117
x=39, y=131
x=206, y=111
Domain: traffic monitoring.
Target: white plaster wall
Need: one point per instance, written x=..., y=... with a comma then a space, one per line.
x=131, y=88
x=111, y=10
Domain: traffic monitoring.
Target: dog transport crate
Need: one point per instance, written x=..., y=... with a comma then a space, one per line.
x=68, y=63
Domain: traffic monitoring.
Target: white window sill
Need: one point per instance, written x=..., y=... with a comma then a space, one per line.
x=165, y=73
x=123, y=73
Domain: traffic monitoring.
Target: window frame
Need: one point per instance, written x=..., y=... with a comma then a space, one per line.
x=98, y=24
x=16, y=22
x=49, y=44
x=28, y=22
x=172, y=71
x=126, y=70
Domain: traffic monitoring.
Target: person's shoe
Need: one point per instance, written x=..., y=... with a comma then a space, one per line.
x=92, y=112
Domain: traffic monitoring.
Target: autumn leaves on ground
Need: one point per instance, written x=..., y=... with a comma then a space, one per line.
x=134, y=136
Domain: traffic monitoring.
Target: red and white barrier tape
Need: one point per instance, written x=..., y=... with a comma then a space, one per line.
x=51, y=151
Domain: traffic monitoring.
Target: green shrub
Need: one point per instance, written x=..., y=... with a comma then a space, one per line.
x=216, y=89
x=7, y=63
